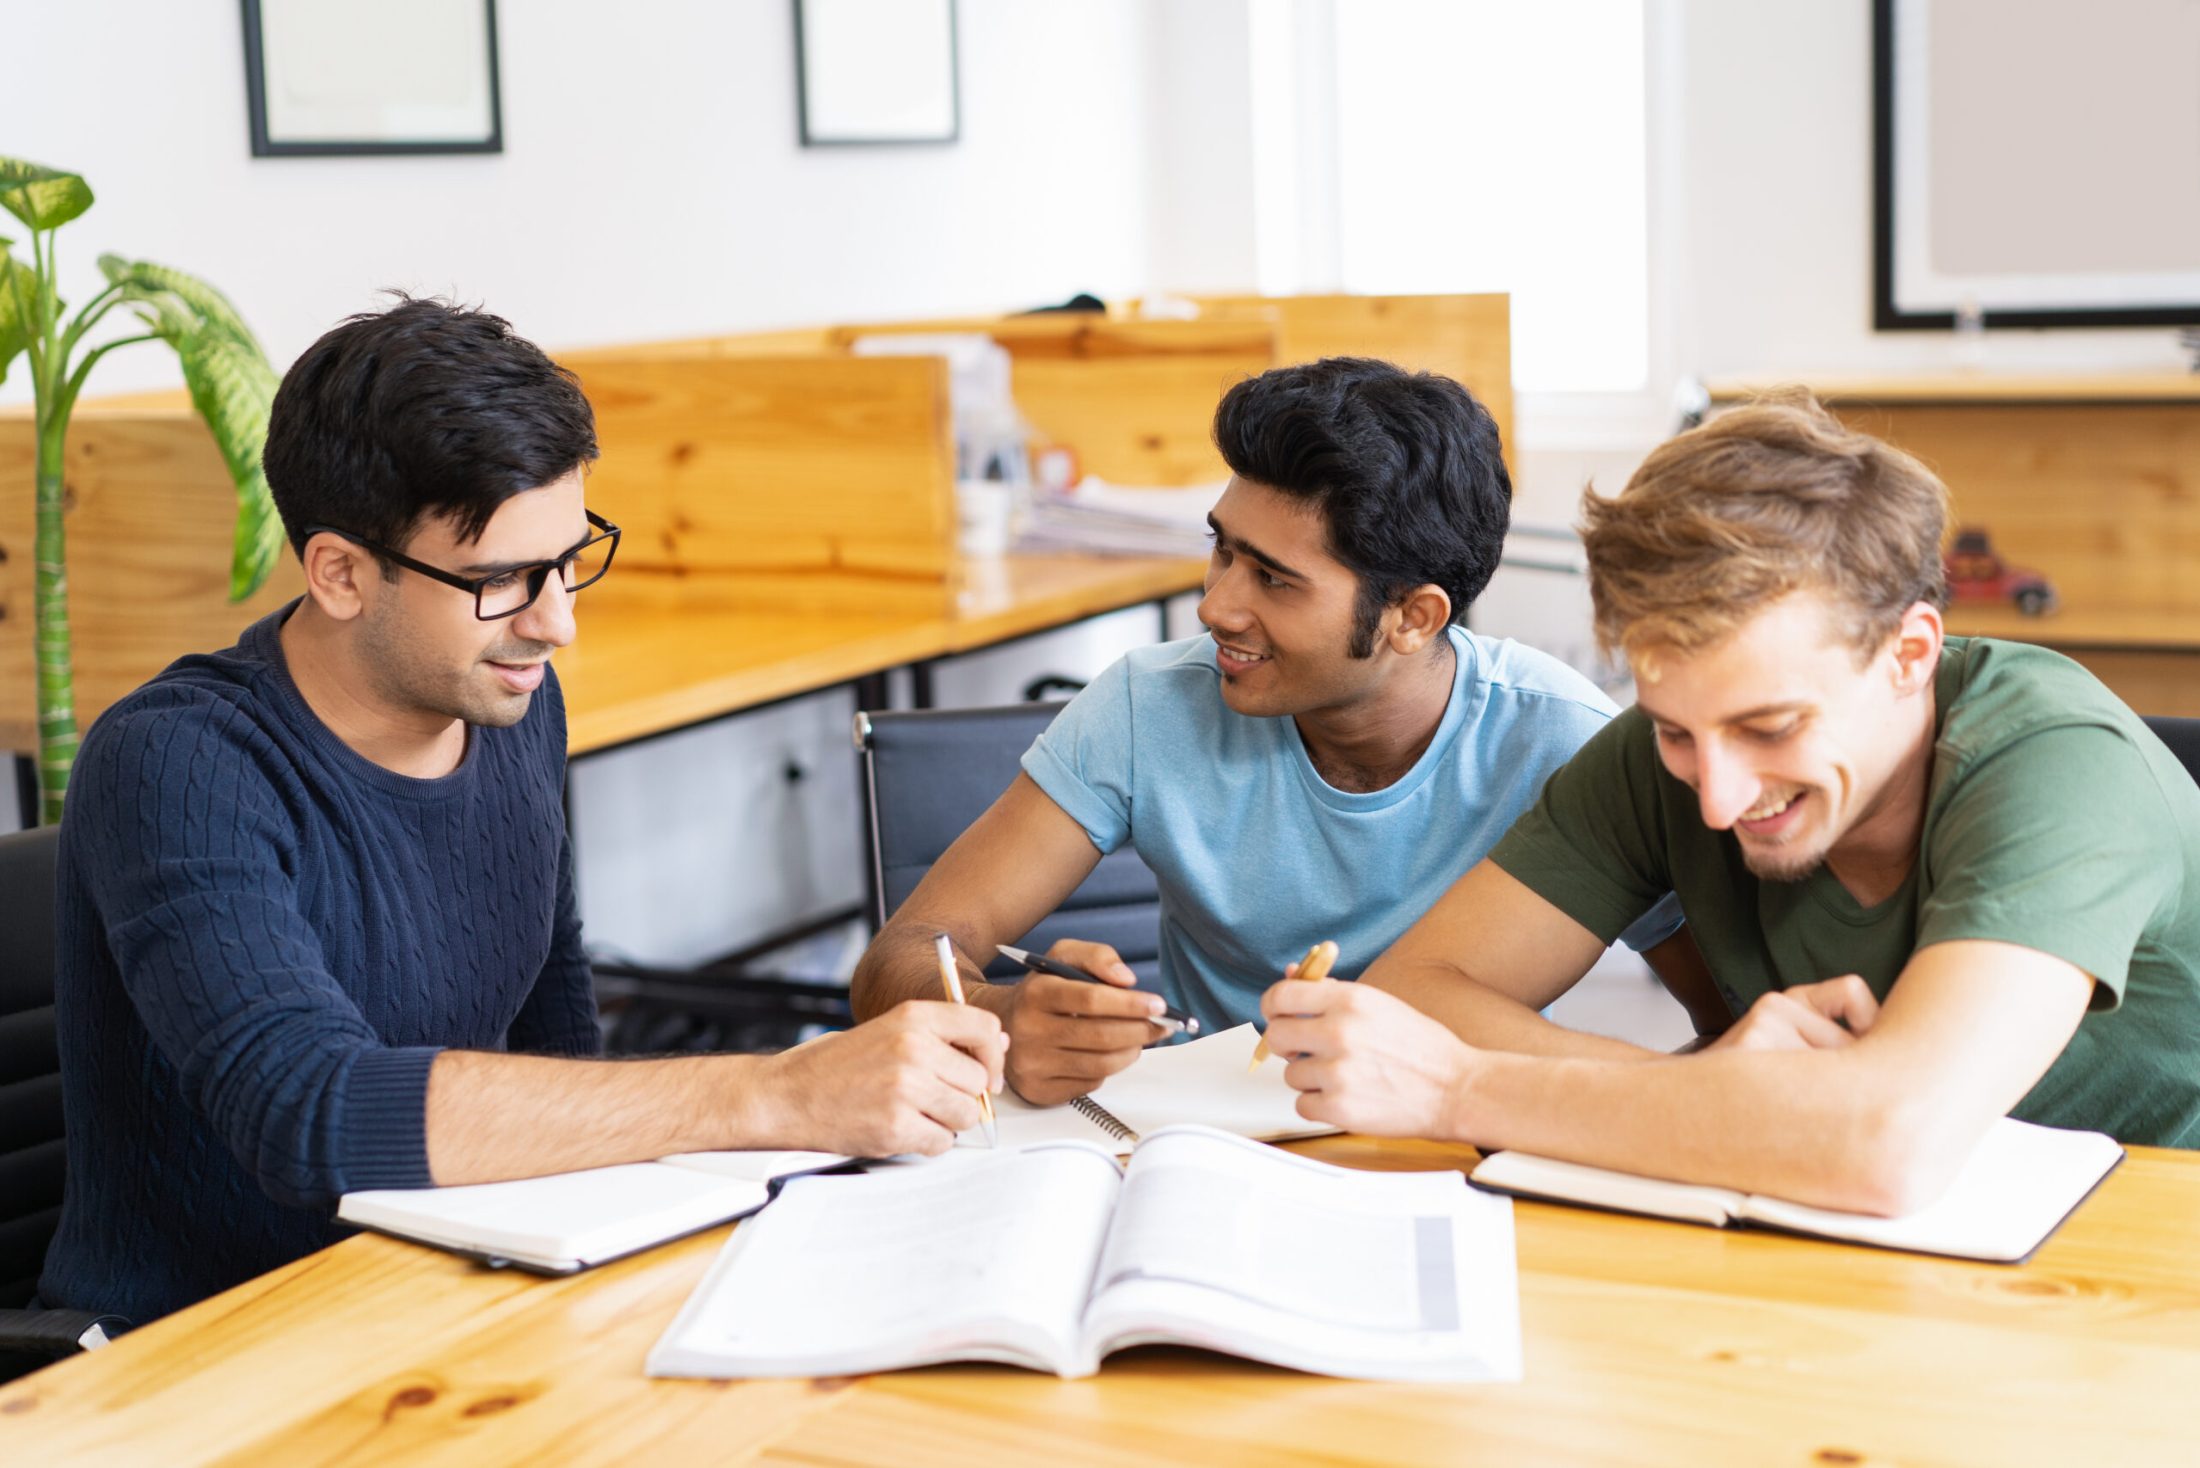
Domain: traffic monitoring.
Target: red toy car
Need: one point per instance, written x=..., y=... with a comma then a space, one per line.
x=1977, y=574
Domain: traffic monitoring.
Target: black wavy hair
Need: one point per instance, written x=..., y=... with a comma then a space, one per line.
x=427, y=408
x=1405, y=468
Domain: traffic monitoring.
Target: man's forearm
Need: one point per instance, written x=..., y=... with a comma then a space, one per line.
x=494, y=1116
x=901, y=964
x=1489, y=1020
x=1801, y=1124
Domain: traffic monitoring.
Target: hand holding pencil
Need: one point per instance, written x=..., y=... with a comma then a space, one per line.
x=951, y=981
x=1313, y=968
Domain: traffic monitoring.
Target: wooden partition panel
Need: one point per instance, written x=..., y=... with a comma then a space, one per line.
x=1468, y=338
x=816, y=481
x=150, y=514
x=1135, y=399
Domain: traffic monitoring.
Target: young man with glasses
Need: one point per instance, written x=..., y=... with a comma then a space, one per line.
x=317, y=922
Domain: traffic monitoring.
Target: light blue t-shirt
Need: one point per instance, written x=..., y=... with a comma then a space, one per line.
x=1258, y=857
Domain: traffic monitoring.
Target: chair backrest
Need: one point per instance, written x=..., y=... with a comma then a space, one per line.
x=30, y=1066
x=929, y=773
x=2183, y=738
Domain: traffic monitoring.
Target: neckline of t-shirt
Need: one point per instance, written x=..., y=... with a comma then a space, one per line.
x=1837, y=901
x=263, y=642
x=1460, y=707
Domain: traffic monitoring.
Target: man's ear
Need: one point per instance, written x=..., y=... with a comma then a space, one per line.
x=335, y=572
x=1916, y=648
x=1419, y=619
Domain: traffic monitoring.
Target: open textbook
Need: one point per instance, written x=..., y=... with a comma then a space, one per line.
x=570, y=1221
x=1054, y=1256
x=2020, y=1183
x=1200, y=1082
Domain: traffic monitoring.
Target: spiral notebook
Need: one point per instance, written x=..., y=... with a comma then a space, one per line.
x=1200, y=1082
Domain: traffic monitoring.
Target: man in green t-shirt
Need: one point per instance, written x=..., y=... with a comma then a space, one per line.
x=1932, y=880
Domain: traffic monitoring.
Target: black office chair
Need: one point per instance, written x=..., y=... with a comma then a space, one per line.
x=2183, y=738
x=928, y=773
x=30, y=1111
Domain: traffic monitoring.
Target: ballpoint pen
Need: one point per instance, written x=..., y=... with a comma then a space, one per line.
x=1313, y=967
x=1171, y=1021
x=952, y=982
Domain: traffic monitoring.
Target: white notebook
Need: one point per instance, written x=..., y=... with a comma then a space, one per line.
x=1052, y=1257
x=2017, y=1187
x=1202, y=1082
x=570, y=1221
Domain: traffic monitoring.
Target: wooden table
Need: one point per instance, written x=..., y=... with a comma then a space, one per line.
x=654, y=655
x=1646, y=1342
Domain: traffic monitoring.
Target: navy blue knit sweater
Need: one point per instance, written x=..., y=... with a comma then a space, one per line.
x=264, y=940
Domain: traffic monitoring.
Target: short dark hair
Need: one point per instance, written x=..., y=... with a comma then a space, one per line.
x=1405, y=468
x=427, y=408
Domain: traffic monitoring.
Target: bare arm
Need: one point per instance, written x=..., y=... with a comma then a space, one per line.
x=906, y=1083
x=1015, y=864
x=1874, y=1122
x=1487, y=957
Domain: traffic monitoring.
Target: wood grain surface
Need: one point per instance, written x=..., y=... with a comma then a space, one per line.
x=1646, y=1342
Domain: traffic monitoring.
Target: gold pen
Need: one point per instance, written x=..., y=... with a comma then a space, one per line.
x=951, y=981
x=1312, y=968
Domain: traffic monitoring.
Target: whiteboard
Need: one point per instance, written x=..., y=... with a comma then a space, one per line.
x=2037, y=161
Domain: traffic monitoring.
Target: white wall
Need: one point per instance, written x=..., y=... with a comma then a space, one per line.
x=1775, y=113
x=651, y=183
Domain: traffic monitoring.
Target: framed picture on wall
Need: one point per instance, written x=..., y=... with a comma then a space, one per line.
x=876, y=71
x=328, y=77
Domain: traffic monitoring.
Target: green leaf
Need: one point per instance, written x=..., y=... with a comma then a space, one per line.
x=43, y=198
x=17, y=285
x=232, y=385
x=143, y=279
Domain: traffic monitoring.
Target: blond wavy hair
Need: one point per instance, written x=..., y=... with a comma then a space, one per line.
x=1769, y=498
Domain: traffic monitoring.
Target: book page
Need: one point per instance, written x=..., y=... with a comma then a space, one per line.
x=1020, y=1124
x=1206, y=1082
x=756, y=1167
x=1228, y=1244
x=560, y=1220
x=2019, y=1183
x=1602, y=1187
x=982, y=1259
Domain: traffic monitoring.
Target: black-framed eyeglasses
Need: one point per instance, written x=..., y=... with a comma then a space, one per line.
x=512, y=590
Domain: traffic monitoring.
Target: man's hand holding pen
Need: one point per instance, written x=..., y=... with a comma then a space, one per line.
x=1067, y=1036
x=1365, y=1060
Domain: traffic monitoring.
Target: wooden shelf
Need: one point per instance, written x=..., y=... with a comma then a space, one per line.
x=1976, y=387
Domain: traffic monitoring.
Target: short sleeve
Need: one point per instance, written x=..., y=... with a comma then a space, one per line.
x=1085, y=759
x=2059, y=842
x=1593, y=843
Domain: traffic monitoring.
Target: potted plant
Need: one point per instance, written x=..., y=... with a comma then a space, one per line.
x=231, y=385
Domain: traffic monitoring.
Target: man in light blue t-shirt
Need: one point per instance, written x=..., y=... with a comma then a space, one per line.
x=1322, y=764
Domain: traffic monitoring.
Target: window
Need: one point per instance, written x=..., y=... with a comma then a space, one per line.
x=1466, y=145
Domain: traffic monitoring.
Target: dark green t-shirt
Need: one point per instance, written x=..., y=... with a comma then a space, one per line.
x=2054, y=819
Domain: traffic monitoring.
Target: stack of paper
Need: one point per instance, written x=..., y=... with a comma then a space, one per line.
x=1099, y=518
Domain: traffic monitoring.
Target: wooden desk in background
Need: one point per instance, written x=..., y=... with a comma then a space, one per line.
x=1646, y=1342
x=655, y=655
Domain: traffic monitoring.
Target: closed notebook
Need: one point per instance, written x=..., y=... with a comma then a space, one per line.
x=2017, y=1187
x=571, y=1221
x=1053, y=1256
x=1200, y=1082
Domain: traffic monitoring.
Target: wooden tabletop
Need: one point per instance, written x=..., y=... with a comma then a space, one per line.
x=655, y=655
x=1646, y=1342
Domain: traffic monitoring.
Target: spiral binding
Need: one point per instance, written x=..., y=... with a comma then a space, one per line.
x=1104, y=1119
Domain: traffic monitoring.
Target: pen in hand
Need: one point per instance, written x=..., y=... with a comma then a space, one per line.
x=1170, y=1021
x=1312, y=968
x=952, y=982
